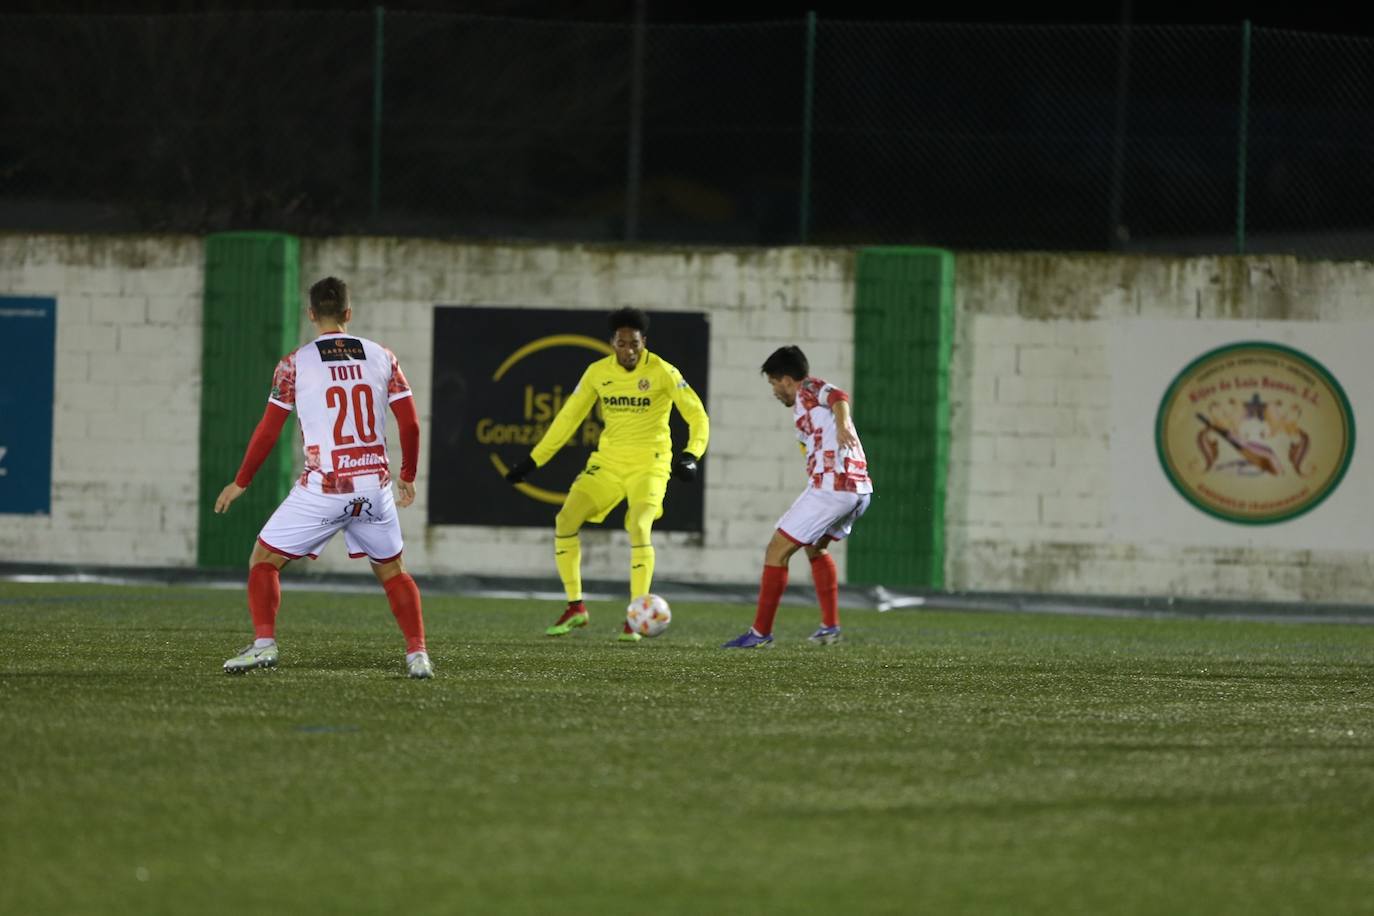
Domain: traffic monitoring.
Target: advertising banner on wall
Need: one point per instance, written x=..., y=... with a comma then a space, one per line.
x=1242, y=433
x=28, y=326
x=500, y=377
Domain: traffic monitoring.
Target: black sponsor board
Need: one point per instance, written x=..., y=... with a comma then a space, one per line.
x=500, y=375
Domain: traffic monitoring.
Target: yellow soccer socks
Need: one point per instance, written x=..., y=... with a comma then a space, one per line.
x=567, y=556
x=641, y=569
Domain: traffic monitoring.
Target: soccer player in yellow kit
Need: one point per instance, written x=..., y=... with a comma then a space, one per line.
x=633, y=460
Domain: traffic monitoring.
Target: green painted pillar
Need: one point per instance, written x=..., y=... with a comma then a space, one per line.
x=251, y=320
x=903, y=331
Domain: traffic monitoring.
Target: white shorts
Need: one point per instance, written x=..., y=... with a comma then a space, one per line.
x=305, y=521
x=818, y=513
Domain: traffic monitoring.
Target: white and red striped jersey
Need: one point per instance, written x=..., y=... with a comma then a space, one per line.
x=340, y=386
x=828, y=466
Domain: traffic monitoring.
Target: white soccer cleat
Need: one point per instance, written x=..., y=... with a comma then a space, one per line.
x=419, y=666
x=250, y=658
x=825, y=636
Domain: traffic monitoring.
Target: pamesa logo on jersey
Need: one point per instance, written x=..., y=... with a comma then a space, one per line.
x=1255, y=433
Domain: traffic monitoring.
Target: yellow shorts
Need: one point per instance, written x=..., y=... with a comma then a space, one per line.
x=606, y=483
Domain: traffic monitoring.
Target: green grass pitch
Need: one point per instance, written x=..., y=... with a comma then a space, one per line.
x=935, y=763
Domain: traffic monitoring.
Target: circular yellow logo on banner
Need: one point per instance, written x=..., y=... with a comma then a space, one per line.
x=1255, y=433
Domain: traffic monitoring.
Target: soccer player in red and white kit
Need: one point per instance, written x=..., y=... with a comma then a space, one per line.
x=340, y=386
x=837, y=493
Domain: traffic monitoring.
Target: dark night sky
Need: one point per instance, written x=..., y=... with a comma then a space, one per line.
x=1311, y=17
x=1269, y=13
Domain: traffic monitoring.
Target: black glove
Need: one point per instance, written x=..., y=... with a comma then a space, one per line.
x=685, y=466
x=523, y=467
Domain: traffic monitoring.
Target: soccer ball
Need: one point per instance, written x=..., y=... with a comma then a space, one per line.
x=648, y=615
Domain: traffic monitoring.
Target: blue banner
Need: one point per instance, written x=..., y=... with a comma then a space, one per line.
x=28, y=326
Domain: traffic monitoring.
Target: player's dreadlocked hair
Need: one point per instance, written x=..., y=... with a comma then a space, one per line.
x=329, y=298
x=789, y=361
x=627, y=317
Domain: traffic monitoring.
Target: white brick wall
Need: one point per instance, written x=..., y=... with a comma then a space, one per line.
x=128, y=393
x=1031, y=394
x=757, y=301
x=1030, y=459
x=126, y=422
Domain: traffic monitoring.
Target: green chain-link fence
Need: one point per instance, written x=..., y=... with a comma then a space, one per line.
x=1193, y=140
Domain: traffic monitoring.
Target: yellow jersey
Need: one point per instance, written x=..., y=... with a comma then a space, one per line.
x=634, y=406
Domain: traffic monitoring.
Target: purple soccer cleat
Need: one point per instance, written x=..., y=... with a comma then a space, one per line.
x=749, y=640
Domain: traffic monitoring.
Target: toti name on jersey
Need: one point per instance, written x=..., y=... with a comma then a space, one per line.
x=340, y=387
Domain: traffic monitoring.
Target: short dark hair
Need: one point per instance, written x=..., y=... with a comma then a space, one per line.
x=628, y=318
x=329, y=298
x=790, y=361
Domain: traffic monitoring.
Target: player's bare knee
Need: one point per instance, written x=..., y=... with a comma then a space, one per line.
x=388, y=570
x=779, y=552
x=261, y=554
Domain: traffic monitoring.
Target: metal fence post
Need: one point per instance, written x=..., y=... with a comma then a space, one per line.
x=1242, y=150
x=377, y=60
x=808, y=103
x=635, y=152
x=1115, y=236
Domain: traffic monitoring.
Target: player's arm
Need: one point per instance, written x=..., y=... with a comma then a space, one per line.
x=408, y=431
x=688, y=404
x=402, y=402
x=259, y=447
x=845, y=433
x=564, y=425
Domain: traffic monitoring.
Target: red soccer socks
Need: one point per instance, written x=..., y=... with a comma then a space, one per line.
x=827, y=589
x=771, y=587
x=404, y=596
x=264, y=597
